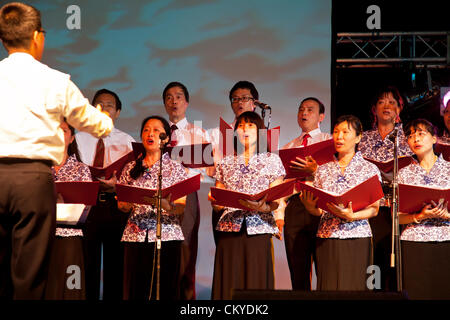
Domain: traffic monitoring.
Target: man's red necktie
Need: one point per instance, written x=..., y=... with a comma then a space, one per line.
x=99, y=154
x=305, y=139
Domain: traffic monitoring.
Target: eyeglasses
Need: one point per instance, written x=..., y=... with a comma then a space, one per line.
x=43, y=31
x=243, y=99
x=107, y=105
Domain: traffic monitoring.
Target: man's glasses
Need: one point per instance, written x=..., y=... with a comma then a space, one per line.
x=243, y=99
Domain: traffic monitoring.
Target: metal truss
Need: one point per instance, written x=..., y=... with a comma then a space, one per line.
x=389, y=49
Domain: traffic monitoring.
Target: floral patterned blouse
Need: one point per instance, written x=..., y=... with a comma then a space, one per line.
x=372, y=146
x=330, y=178
x=142, y=221
x=72, y=170
x=435, y=229
x=261, y=171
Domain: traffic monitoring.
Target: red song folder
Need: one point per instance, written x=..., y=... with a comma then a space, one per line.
x=444, y=149
x=413, y=198
x=361, y=195
x=230, y=198
x=134, y=194
x=78, y=191
x=388, y=166
x=115, y=166
x=272, y=138
x=190, y=156
x=322, y=152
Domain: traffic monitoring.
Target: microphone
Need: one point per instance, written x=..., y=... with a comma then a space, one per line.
x=261, y=105
x=162, y=136
x=394, y=133
x=164, y=139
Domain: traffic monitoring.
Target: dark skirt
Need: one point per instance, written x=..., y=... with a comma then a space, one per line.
x=242, y=262
x=426, y=269
x=342, y=263
x=66, y=272
x=139, y=260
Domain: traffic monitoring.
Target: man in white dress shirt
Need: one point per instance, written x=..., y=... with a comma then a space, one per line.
x=300, y=227
x=105, y=224
x=34, y=100
x=176, y=102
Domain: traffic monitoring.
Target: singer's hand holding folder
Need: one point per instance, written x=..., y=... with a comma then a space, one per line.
x=361, y=195
x=413, y=198
x=388, y=166
x=138, y=195
x=115, y=166
x=228, y=198
x=78, y=191
x=322, y=152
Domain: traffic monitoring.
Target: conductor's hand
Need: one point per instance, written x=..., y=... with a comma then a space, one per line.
x=99, y=108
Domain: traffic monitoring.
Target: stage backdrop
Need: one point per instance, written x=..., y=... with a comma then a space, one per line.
x=136, y=47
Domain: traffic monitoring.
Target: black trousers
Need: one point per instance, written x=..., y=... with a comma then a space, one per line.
x=189, y=247
x=381, y=226
x=27, y=227
x=104, y=226
x=300, y=239
x=242, y=261
x=138, y=266
x=66, y=277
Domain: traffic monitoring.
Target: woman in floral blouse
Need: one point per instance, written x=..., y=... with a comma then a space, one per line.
x=139, y=235
x=343, y=247
x=426, y=236
x=67, y=248
x=386, y=106
x=243, y=257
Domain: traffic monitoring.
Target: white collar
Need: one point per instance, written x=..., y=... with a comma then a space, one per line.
x=312, y=133
x=182, y=124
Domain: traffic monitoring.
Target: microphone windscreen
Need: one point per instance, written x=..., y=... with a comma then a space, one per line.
x=162, y=136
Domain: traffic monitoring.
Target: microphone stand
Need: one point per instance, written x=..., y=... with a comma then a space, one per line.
x=158, y=223
x=395, y=247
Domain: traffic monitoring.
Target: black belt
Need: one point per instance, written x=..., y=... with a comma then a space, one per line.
x=25, y=160
x=106, y=196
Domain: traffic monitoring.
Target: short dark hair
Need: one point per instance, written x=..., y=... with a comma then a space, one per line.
x=73, y=146
x=381, y=93
x=250, y=117
x=106, y=91
x=138, y=168
x=354, y=122
x=414, y=124
x=321, y=105
x=176, y=84
x=243, y=84
x=18, y=22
